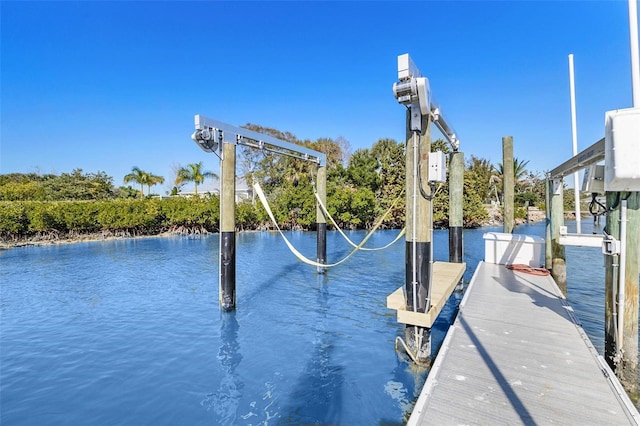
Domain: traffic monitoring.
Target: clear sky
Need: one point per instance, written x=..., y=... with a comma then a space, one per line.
x=105, y=86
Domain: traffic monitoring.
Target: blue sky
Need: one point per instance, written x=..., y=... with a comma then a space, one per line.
x=105, y=86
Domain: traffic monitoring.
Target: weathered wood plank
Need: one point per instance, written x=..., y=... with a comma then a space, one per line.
x=445, y=278
x=396, y=299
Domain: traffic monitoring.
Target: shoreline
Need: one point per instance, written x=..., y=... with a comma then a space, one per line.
x=84, y=238
x=52, y=239
x=96, y=237
x=39, y=241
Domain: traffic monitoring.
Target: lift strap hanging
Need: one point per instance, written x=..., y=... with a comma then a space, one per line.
x=296, y=253
x=326, y=212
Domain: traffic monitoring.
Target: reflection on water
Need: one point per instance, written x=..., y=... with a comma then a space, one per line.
x=226, y=399
x=130, y=331
x=317, y=392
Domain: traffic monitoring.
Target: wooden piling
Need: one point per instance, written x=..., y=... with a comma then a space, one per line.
x=227, y=283
x=456, y=186
x=420, y=260
x=558, y=262
x=623, y=357
x=321, y=183
x=548, y=253
x=508, y=184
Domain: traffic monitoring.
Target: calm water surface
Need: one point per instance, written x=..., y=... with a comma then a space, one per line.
x=129, y=332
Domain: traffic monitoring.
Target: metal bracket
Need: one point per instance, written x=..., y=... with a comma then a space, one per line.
x=416, y=118
x=610, y=246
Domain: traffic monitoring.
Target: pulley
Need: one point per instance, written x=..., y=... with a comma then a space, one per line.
x=205, y=138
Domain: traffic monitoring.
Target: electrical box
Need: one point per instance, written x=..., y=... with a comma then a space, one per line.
x=593, y=180
x=437, y=167
x=622, y=150
x=610, y=246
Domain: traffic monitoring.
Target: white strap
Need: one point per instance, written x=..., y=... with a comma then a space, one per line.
x=296, y=253
x=326, y=212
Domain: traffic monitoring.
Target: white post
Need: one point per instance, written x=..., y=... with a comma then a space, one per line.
x=635, y=62
x=622, y=272
x=574, y=136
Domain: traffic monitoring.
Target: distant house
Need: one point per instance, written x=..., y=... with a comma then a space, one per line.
x=243, y=192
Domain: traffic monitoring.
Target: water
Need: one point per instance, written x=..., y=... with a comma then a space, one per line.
x=129, y=332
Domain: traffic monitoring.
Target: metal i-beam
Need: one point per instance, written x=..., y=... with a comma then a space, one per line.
x=591, y=155
x=211, y=133
x=444, y=128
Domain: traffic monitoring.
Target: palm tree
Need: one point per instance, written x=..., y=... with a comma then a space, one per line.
x=519, y=171
x=494, y=180
x=154, y=180
x=193, y=173
x=138, y=176
x=142, y=178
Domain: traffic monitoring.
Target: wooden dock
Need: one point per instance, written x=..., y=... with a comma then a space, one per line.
x=516, y=354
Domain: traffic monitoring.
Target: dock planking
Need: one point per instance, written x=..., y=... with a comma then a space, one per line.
x=516, y=354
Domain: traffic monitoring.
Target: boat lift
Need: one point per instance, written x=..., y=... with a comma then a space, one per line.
x=221, y=139
x=428, y=284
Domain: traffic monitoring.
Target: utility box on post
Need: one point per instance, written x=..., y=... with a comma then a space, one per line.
x=593, y=180
x=437, y=167
x=622, y=150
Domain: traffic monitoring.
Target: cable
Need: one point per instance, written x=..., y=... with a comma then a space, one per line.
x=616, y=202
x=422, y=191
x=406, y=349
x=596, y=208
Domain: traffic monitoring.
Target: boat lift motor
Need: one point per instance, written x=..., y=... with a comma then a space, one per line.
x=413, y=91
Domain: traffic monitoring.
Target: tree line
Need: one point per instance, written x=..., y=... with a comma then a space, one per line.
x=361, y=186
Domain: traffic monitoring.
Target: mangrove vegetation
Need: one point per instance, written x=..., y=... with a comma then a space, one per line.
x=361, y=186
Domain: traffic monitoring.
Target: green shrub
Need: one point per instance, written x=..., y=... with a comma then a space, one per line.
x=45, y=216
x=17, y=191
x=246, y=215
x=191, y=211
x=129, y=214
x=81, y=216
x=520, y=213
x=13, y=218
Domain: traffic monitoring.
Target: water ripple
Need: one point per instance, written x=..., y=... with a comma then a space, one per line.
x=129, y=332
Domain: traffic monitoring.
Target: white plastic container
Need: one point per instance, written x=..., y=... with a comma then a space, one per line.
x=506, y=249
